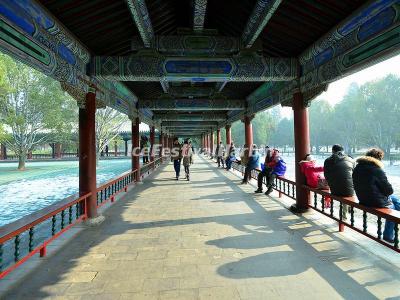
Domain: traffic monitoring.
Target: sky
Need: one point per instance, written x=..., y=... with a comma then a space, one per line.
x=338, y=89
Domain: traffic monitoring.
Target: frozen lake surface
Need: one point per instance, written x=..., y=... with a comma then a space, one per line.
x=44, y=183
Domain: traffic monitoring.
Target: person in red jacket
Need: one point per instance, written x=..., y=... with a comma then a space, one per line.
x=314, y=176
x=312, y=172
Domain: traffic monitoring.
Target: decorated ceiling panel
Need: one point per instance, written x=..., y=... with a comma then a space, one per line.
x=198, y=61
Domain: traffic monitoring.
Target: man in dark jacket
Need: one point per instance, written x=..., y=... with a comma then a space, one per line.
x=338, y=170
x=373, y=188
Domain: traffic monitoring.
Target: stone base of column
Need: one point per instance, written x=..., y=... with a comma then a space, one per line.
x=297, y=210
x=95, y=221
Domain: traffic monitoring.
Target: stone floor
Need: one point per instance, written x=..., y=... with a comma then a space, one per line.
x=210, y=238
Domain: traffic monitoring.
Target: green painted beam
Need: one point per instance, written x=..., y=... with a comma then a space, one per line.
x=262, y=13
x=192, y=104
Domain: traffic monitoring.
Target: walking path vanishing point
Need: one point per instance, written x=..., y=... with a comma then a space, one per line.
x=208, y=239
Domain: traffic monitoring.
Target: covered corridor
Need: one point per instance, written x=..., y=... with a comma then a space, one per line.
x=210, y=238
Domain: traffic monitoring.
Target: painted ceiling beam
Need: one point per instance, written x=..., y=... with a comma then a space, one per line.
x=262, y=13
x=219, y=86
x=156, y=67
x=199, y=15
x=140, y=15
x=181, y=45
x=368, y=36
x=188, y=123
x=165, y=86
x=191, y=91
x=190, y=117
x=192, y=104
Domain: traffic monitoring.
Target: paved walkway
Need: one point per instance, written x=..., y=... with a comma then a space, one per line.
x=208, y=239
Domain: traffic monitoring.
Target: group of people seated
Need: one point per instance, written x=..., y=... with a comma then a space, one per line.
x=345, y=177
x=340, y=175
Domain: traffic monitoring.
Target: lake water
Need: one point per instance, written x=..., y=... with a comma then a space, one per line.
x=44, y=183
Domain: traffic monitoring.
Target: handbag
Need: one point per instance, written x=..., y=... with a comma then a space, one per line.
x=322, y=183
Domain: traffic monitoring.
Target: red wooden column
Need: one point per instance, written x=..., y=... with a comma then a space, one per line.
x=248, y=132
x=136, y=147
x=228, y=134
x=302, y=148
x=207, y=143
x=218, y=136
x=212, y=144
x=115, y=148
x=152, y=137
x=161, y=142
x=87, y=153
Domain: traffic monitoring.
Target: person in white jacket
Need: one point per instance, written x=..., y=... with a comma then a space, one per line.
x=187, y=154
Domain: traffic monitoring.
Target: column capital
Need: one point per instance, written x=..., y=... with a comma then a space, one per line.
x=248, y=117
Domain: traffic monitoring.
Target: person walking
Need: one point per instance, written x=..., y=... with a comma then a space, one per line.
x=176, y=156
x=187, y=153
x=373, y=188
x=338, y=171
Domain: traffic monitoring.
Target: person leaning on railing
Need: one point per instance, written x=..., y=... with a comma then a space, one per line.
x=252, y=163
x=373, y=188
x=274, y=166
x=315, y=176
x=338, y=171
x=267, y=169
x=231, y=157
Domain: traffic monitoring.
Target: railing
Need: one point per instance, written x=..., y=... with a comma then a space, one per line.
x=145, y=169
x=33, y=231
x=31, y=234
x=365, y=220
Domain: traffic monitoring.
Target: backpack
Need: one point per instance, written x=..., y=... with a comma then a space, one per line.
x=280, y=167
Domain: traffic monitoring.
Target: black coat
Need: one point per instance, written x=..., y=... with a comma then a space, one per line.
x=370, y=183
x=338, y=170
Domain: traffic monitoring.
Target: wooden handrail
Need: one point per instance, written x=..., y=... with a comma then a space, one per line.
x=10, y=230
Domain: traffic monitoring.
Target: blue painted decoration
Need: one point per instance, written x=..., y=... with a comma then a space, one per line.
x=208, y=67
